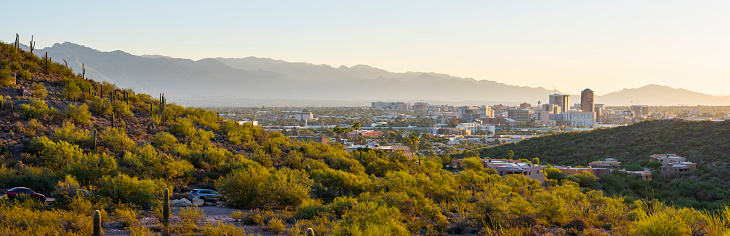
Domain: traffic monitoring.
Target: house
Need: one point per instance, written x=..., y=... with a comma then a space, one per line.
x=674, y=165
x=509, y=167
x=645, y=175
x=597, y=171
x=323, y=139
x=608, y=163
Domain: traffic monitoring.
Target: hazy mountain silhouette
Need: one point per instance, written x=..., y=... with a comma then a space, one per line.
x=253, y=81
x=661, y=95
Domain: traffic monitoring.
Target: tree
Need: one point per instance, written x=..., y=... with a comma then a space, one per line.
x=536, y=161
x=510, y=153
x=356, y=127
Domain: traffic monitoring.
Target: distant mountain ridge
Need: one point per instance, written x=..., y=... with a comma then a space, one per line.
x=254, y=81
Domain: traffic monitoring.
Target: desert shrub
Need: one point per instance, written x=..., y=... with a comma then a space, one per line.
x=89, y=167
x=189, y=219
x=288, y=187
x=80, y=115
x=15, y=66
x=32, y=127
x=39, y=91
x=70, y=91
x=254, y=217
x=311, y=209
x=372, y=219
x=183, y=127
x=139, y=230
x=125, y=189
x=575, y=227
x=525, y=221
x=5, y=78
x=126, y=215
x=585, y=179
x=164, y=140
x=121, y=109
x=36, y=108
x=223, y=228
x=276, y=226
x=68, y=132
x=238, y=215
x=24, y=219
x=24, y=74
x=101, y=106
x=245, y=187
x=116, y=139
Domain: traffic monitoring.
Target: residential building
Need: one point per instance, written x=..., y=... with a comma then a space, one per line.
x=251, y=122
x=586, y=100
x=645, y=175
x=323, y=139
x=390, y=106
x=303, y=116
x=569, y=170
x=609, y=163
x=473, y=127
x=509, y=167
x=365, y=133
x=674, y=165
x=525, y=105
x=579, y=118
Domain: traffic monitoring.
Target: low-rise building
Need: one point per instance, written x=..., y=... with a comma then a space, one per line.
x=304, y=116
x=608, y=163
x=509, y=167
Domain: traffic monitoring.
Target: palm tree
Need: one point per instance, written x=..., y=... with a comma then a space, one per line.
x=356, y=127
x=337, y=131
x=413, y=141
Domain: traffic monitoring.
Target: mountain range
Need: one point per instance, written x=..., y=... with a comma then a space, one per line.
x=254, y=81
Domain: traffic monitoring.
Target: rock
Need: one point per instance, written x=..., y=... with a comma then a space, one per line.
x=208, y=204
x=181, y=202
x=220, y=204
x=198, y=201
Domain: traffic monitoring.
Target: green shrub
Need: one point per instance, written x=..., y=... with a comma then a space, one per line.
x=126, y=215
x=6, y=79
x=101, y=106
x=311, y=209
x=70, y=91
x=222, y=228
x=116, y=139
x=164, y=140
x=125, y=189
x=276, y=226
x=24, y=74
x=189, y=218
x=68, y=132
x=35, y=109
x=80, y=115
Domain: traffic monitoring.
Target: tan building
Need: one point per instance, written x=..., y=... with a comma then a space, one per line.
x=509, y=167
x=674, y=165
x=608, y=163
x=645, y=175
x=568, y=170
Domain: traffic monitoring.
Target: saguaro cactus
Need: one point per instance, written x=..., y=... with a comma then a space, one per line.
x=166, y=211
x=97, y=223
x=94, y=139
x=32, y=44
x=83, y=71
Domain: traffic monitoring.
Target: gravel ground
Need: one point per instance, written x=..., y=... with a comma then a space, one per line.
x=213, y=215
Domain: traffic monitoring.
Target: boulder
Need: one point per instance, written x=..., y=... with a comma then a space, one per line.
x=198, y=201
x=181, y=203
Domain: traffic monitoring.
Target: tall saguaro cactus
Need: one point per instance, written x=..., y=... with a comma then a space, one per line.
x=97, y=223
x=166, y=211
x=17, y=42
x=32, y=44
x=83, y=71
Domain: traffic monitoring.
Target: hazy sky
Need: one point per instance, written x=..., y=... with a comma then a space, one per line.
x=602, y=45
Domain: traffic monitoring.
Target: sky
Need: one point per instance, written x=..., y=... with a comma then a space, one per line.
x=569, y=45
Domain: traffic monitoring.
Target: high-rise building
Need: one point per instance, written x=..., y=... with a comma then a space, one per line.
x=561, y=100
x=586, y=100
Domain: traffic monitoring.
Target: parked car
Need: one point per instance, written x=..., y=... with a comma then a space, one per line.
x=205, y=195
x=13, y=192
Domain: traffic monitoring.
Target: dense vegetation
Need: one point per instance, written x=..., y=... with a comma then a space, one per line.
x=94, y=146
x=705, y=143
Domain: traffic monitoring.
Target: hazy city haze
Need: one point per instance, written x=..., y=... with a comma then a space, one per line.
x=573, y=45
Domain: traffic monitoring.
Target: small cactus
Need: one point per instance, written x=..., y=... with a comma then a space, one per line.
x=310, y=232
x=166, y=211
x=97, y=223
